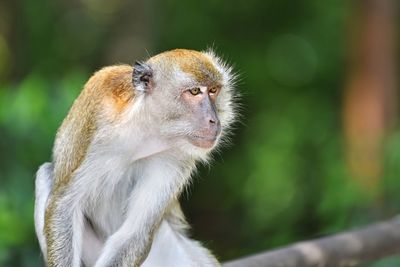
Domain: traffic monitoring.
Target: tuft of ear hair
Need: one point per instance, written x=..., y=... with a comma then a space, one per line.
x=142, y=76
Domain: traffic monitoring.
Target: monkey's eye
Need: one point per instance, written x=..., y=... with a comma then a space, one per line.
x=195, y=91
x=213, y=90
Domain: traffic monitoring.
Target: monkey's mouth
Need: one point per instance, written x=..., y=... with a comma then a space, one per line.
x=203, y=141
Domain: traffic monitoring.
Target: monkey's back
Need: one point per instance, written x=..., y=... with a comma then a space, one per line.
x=110, y=88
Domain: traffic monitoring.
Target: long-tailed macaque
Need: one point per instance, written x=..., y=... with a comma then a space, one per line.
x=121, y=158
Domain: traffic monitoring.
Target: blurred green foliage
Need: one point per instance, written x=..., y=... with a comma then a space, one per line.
x=284, y=177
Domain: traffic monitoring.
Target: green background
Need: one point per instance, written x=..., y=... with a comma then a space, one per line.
x=283, y=179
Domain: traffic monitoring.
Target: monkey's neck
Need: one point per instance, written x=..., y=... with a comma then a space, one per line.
x=148, y=148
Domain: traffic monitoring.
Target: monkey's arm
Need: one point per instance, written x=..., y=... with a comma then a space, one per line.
x=158, y=185
x=54, y=222
x=63, y=229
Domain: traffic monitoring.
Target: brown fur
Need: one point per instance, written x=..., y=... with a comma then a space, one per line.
x=111, y=85
x=193, y=62
x=107, y=94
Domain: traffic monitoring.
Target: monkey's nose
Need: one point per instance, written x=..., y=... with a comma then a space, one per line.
x=214, y=125
x=213, y=121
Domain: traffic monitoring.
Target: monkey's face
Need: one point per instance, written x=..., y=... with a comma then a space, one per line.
x=199, y=104
x=191, y=94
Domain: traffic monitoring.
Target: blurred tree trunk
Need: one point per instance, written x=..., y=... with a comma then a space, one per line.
x=370, y=96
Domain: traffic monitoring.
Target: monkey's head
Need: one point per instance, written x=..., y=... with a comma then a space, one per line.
x=180, y=99
x=189, y=94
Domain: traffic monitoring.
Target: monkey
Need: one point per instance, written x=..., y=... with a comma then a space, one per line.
x=122, y=157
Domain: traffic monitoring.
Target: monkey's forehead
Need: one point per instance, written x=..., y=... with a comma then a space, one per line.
x=195, y=63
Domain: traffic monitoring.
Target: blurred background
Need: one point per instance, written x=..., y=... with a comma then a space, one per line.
x=318, y=147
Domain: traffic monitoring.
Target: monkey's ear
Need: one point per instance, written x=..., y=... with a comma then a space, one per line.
x=142, y=76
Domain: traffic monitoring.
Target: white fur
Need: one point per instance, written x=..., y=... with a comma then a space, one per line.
x=91, y=246
x=113, y=180
x=43, y=182
x=77, y=236
x=129, y=181
x=171, y=248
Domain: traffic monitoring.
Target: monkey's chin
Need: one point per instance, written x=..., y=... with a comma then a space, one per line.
x=203, y=142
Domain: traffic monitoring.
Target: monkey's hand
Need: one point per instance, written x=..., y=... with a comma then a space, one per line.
x=159, y=184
